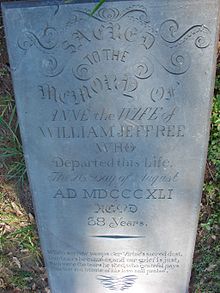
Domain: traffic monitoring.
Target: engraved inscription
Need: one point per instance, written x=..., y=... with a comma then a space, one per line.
x=111, y=100
x=137, y=194
x=109, y=26
x=133, y=262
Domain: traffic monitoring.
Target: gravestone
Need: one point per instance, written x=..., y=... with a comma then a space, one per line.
x=114, y=115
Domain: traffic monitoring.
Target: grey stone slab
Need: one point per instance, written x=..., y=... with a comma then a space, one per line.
x=114, y=116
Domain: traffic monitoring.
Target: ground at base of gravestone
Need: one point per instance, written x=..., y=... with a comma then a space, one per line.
x=21, y=263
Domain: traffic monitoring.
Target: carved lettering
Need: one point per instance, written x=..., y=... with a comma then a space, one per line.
x=74, y=132
x=101, y=194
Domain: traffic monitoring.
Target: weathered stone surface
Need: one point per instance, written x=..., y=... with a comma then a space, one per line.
x=114, y=116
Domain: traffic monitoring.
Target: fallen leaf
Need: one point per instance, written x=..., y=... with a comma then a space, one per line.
x=2, y=283
x=211, y=268
x=31, y=217
x=16, y=209
x=16, y=290
x=16, y=261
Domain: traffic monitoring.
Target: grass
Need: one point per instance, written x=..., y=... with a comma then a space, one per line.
x=21, y=279
x=17, y=227
x=97, y=6
x=214, y=146
x=19, y=243
x=10, y=145
x=206, y=267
